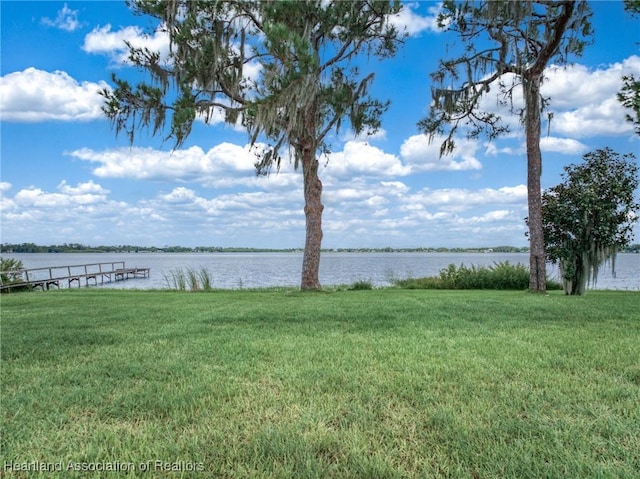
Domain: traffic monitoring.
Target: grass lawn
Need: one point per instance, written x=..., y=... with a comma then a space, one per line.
x=362, y=384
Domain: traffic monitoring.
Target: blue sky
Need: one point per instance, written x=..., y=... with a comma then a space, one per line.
x=66, y=178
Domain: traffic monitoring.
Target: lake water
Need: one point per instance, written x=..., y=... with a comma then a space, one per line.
x=255, y=270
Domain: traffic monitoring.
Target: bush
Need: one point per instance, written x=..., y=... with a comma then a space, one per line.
x=361, y=285
x=11, y=272
x=502, y=275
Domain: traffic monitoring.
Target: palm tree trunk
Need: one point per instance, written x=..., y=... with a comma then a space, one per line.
x=313, y=216
x=537, y=264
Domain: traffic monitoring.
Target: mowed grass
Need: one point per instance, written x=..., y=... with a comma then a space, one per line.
x=363, y=384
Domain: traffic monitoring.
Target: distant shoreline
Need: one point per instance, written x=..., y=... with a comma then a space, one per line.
x=8, y=248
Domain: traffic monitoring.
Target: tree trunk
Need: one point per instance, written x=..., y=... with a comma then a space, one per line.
x=537, y=264
x=313, y=216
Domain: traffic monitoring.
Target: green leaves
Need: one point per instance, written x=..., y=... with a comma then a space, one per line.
x=130, y=109
x=282, y=68
x=629, y=96
x=589, y=217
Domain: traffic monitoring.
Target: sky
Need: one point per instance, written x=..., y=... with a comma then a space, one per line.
x=67, y=178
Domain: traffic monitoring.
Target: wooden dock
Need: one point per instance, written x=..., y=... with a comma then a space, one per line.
x=60, y=276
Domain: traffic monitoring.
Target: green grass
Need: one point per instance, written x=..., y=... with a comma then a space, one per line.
x=364, y=384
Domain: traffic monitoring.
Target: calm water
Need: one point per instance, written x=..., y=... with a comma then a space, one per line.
x=252, y=270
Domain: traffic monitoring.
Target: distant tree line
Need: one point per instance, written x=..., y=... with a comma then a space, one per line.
x=80, y=248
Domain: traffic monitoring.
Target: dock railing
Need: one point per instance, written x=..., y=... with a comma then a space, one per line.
x=56, y=276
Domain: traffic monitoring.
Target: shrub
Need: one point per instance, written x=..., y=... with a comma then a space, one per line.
x=10, y=272
x=502, y=275
x=361, y=285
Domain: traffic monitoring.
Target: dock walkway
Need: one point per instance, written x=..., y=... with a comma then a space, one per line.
x=47, y=277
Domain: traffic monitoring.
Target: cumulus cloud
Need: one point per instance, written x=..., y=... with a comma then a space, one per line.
x=225, y=216
x=362, y=159
x=364, y=208
x=460, y=199
x=577, y=85
x=103, y=41
x=408, y=21
x=179, y=195
x=66, y=19
x=82, y=212
x=35, y=95
x=228, y=164
x=491, y=216
x=225, y=165
x=582, y=100
x=424, y=155
x=566, y=146
x=606, y=118
x=492, y=149
x=191, y=164
x=379, y=211
x=88, y=188
x=82, y=194
x=371, y=194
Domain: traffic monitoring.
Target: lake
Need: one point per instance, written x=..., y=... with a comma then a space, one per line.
x=255, y=270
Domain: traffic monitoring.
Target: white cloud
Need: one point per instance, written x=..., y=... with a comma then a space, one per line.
x=606, y=118
x=88, y=188
x=375, y=212
x=191, y=164
x=582, y=100
x=424, y=155
x=362, y=159
x=224, y=216
x=4, y=186
x=66, y=19
x=228, y=165
x=101, y=40
x=81, y=213
x=35, y=95
x=410, y=22
x=577, y=85
x=179, y=195
x=457, y=199
x=82, y=194
x=566, y=146
x=491, y=216
x=491, y=149
x=362, y=193
x=223, y=166
x=358, y=213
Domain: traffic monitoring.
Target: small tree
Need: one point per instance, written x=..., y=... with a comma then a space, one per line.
x=502, y=38
x=589, y=217
x=307, y=86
